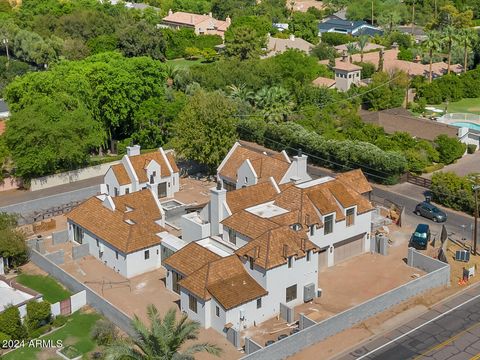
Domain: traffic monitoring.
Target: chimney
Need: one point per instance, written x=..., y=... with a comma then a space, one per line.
x=300, y=166
x=228, y=20
x=210, y=14
x=292, y=37
x=218, y=197
x=170, y=12
x=344, y=56
x=133, y=150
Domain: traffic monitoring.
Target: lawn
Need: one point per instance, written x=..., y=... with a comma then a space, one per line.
x=463, y=106
x=51, y=290
x=184, y=63
x=76, y=332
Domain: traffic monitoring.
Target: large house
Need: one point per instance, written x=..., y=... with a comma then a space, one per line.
x=245, y=165
x=277, y=46
x=354, y=28
x=155, y=170
x=274, y=239
x=124, y=232
x=201, y=24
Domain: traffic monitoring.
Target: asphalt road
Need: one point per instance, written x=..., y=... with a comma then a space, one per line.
x=449, y=331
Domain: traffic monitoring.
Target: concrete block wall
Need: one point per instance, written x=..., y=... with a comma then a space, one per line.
x=57, y=257
x=305, y=322
x=348, y=318
x=80, y=251
x=59, y=237
x=78, y=300
x=287, y=313
x=251, y=346
x=115, y=315
x=55, y=309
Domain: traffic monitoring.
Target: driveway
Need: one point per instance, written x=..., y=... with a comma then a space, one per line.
x=468, y=164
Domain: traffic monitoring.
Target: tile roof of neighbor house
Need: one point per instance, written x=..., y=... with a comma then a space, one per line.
x=400, y=120
x=356, y=180
x=274, y=247
x=278, y=46
x=191, y=19
x=391, y=63
x=190, y=258
x=226, y=280
x=368, y=47
x=140, y=209
x=265, y=165
x=346, y=66
x=121, y=174
x=323, y=81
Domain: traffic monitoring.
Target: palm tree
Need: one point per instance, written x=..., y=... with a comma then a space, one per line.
x=466, y=37
x=162, y=340
x=351, y=49
x=241, y=93
x=362, y=43
x=432, y=44
x=450, y=35
x=274, y=103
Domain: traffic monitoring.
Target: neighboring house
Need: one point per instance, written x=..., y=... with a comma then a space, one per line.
x=277, y=46
x=124, y=232
x=245, y=166
x=369, y=47
x=280, y=26
x=413, y=68
x=346, y=75
x=201, y=24
x=354, y=28
x=155, y=170
x=324, y=82
x=417, y=32
x=14, y=294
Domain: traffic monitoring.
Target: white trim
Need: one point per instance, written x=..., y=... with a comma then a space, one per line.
x=284, y=153
x=249, y=163
x=166, y=161
x=225, y=159
x=272, y=180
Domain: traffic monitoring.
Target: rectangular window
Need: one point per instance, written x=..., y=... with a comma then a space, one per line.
x=77, y=234
x=116, y=255
x=291, y=293
x=328, y=224
x=98, y=243
x=250, y=260
x=192, y=303
x=232, y=236
x=217, y=311
x=309, y=254
x=246, y=180
x=312, y=230
x=259, y=303
x=115, y=190
x=350, y=217
x=290, y=262
x=147, y=254
x=127, y=190
x=176, y=277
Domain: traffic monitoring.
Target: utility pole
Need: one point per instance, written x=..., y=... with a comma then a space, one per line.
x=372, y=12
x=406, y=91
x=413, y=16
x=475, y=180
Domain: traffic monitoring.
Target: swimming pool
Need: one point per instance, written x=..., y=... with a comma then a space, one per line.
x=467, y=125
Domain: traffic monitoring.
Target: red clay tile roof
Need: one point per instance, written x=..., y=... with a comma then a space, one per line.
x=171, y=160
x=356, y=180
x=274, y=247
x=226, y=280
x=190, y=258
x=323, y=81
x=251, y=195
x=265, y=165
x=140, y=163
x=139, y=207
x=249, y=224
x=121, y=174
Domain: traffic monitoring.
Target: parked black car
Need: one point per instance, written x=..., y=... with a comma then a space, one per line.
x=430, y=211
x=420, y=237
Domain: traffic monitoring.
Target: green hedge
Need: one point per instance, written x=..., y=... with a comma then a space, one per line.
x=381, y=166
x=453, y=191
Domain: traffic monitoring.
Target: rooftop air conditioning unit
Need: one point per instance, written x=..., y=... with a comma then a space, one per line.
x=308, y=292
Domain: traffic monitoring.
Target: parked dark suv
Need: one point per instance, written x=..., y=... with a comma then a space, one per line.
x=430, y=211
x=420, y=237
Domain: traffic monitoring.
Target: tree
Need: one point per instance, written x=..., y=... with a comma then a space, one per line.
x=244, y=42
x=450, y=35
x=351, y=49
x=51, y=134
x=105, y=332
x=432, y=44
x=274, y=103
x=362, y=43
x=12, y=241
x=142, y=39
x=304, y=25
x=161, y=340
x=449, y=148
x=38, y=314
x=205, y=128
x=11, y=323
x=323, y=51
x=467, y=38
x=386, y=91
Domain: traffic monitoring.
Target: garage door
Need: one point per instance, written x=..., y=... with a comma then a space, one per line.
x=348, y=248
x=162, y=190
x=323, y=259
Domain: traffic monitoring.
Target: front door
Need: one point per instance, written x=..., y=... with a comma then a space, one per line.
x=176, y=277
x=162, y=190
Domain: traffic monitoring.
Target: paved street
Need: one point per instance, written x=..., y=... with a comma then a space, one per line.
x=449, y=331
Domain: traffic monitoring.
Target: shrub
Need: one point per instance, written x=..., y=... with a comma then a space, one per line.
x=59, y=320
x=3, y=338
x=11, y=324
x=471, y=148
x=40, y=331
x=38, y=314
x=104, y=332
x=450, y=149
x=368, y=69
x=453, y=191
x=335, y=39
x=405, y=54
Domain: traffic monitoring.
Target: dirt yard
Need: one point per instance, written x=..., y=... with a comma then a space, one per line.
x=303, y=5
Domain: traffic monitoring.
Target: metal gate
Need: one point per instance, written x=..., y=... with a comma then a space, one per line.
x=65, y=307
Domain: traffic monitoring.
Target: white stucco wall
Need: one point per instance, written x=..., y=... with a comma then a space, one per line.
x=136, y=263
x=246, y=175
x=240, y=239
x=203, y=309
x=252, y=315
x=112, y=182
x=192, y=228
